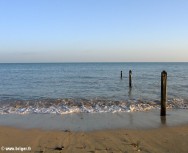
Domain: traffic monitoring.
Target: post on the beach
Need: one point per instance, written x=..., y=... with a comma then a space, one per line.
x=163, y=120
x=130, y=78
x=163, y=92
x=121, y=75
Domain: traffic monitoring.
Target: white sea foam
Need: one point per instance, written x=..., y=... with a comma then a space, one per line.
x=67, y=106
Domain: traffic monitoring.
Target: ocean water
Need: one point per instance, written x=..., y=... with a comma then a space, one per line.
x=89, y=87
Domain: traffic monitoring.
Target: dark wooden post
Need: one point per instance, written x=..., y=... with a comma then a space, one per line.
x=121, y=75
x=130, y=78
x=163, y=92
x=163, y=120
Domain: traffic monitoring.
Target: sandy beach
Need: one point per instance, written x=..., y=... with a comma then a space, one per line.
x=95, y=133
x=164, y=139
x=93, y=76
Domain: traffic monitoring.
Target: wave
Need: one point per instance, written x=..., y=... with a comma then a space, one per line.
x=67, y=106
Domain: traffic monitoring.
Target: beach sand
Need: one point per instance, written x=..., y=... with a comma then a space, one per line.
x=95, y=133
x=159, y=140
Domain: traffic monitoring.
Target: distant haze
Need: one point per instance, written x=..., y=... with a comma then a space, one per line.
x=93, y=31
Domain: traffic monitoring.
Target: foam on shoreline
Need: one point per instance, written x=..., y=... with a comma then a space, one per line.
x=69, y=106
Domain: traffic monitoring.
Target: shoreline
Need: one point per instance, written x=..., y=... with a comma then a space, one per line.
x=166, y=139
x=96, y=121
x=95, y=133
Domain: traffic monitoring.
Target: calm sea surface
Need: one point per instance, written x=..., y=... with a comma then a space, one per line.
x=70, y=86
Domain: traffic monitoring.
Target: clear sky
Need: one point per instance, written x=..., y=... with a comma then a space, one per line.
x=93, y=30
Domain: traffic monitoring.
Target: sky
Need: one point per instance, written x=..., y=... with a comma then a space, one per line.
x=93, y=31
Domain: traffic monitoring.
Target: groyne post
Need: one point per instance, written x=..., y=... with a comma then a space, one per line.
x=121, y=75
x=130, y=79
x=163, y=92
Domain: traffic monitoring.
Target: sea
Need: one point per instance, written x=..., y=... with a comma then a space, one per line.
x=64, y=88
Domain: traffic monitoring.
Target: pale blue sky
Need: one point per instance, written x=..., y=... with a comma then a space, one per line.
x=93, y=30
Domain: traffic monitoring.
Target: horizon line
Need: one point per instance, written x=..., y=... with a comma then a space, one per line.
x=83, y=62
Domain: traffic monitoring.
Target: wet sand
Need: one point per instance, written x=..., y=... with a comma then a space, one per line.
x=96, y=121
x=165, y=139
x=96, y=133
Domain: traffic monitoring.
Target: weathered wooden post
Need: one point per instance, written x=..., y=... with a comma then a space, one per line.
x=121, y=75
x=163, y=92
x=163, y=120
x=130, y=79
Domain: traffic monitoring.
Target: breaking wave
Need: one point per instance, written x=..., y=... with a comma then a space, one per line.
x=67, y=106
